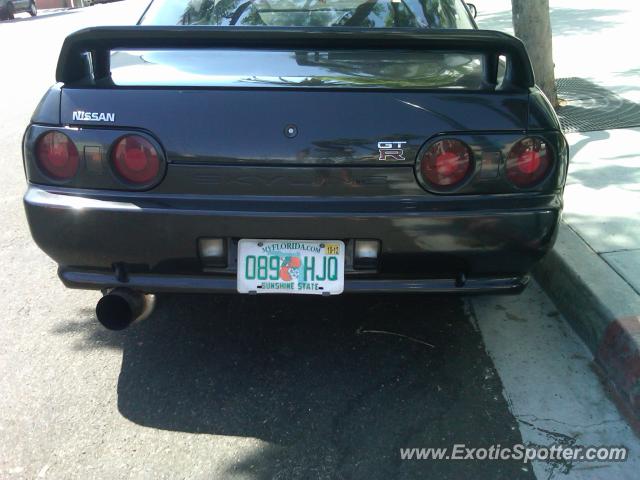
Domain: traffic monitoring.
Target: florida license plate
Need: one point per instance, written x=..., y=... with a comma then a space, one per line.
x=312, y=267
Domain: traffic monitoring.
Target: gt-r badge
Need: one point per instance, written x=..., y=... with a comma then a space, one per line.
x=391, y=150
x=93, y=116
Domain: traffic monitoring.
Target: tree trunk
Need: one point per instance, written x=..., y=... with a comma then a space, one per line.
x=532, y=25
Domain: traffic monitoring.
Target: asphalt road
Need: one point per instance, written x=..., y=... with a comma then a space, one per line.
x=268, y=387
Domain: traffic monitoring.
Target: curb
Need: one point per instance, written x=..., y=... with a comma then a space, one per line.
x=603, y=309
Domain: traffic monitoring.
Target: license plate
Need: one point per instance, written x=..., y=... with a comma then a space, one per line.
x=311, y=267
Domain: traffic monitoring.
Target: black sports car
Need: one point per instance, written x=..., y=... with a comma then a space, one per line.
x=293, y=146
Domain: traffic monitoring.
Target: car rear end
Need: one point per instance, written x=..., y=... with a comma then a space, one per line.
x=429, y=156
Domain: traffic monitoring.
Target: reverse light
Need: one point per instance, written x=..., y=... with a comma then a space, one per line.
x=446, y=163
x=366, y=253
x=57, y=156
x=135, y=160
x=528, y=162
x=213, y=252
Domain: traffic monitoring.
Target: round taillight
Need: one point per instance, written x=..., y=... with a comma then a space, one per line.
x=446, y=163
x=528, y=162
x=57, y=156
x=135, y=160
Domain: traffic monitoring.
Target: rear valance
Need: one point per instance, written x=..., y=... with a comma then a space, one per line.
x=86, y=54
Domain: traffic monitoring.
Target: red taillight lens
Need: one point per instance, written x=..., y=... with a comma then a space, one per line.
x=446, y=163
x=57, y=156
x=135, y=160
x=528, y=162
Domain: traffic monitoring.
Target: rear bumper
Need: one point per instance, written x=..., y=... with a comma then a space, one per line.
x=91, y=280
x=153, y=239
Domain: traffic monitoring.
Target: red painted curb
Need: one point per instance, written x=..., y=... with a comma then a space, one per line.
x=619, y=357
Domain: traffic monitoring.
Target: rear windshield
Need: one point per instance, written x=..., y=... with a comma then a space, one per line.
x=311, y=13
x=396, y=69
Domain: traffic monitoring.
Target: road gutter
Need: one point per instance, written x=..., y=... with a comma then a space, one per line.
x=603, y=309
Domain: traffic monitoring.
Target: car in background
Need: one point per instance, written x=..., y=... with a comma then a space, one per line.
x=10, y=7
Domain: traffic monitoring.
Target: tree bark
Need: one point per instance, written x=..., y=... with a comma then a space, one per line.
x=532, y=25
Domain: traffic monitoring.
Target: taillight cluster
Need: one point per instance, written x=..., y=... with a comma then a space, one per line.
x=133, y=159
x=447, y=164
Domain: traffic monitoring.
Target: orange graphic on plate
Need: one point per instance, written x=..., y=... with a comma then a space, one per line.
x=289, y=268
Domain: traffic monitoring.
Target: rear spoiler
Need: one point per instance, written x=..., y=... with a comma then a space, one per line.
x=85, y=55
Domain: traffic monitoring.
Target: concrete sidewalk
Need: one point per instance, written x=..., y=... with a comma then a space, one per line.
x=602, y=197
x=593, y=273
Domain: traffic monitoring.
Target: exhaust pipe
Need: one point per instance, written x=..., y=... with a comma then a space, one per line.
x=120, y=307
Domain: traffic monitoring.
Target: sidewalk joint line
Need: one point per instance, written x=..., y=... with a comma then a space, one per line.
x=621, y=250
